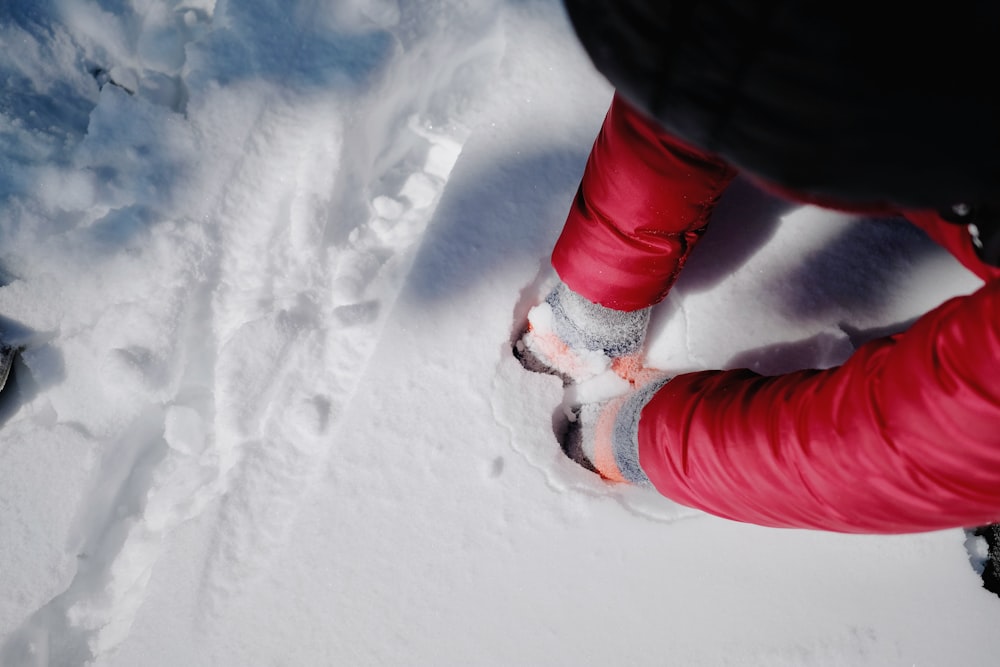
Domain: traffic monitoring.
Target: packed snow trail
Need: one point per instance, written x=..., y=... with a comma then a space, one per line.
x=241, y=366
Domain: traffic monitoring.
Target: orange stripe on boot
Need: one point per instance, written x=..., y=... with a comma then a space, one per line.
x=604, y=451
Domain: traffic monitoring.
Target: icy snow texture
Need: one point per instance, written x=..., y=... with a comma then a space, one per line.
x=267, y=259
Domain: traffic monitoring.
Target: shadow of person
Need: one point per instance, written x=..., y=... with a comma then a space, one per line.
x=860, y=271
x=743, y=222
x=479, y=229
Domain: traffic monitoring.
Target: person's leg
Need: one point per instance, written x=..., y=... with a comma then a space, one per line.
x=643, y=202
x=900, y=438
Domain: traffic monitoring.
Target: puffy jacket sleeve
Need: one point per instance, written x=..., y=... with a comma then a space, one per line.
x=643, y=202
x=903, y=437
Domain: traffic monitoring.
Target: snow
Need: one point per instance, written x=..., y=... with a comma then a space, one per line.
x=268, y=258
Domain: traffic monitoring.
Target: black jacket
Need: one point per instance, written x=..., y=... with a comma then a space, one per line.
x=865, y=103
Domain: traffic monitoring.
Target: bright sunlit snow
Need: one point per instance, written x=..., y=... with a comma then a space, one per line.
x=267, y=259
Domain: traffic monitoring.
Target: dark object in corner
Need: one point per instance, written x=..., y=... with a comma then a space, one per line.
x=991, y=567
x=7, y=354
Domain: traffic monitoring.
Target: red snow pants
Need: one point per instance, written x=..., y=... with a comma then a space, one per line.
x=903, y=437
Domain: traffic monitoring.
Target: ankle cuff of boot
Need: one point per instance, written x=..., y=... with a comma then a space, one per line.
x=625, y=436
x=583, y=324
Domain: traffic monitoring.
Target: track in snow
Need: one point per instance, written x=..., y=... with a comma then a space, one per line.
x=298, y=195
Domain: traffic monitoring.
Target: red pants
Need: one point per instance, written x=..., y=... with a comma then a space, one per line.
x=903, y=437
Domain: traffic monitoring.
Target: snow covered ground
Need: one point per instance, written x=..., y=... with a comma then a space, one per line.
x=267, y=259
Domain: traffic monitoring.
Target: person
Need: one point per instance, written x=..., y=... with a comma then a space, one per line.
x=840, y=105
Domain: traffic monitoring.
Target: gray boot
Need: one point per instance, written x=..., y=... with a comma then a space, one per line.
x=572, y=337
